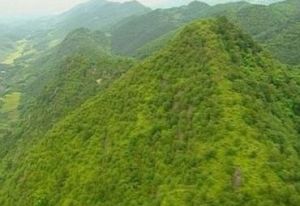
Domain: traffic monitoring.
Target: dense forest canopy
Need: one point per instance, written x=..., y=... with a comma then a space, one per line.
x=120, y=103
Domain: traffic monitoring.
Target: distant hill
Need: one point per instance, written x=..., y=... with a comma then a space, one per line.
x=265, y=2
x=146, y=28
x=94, y=14
x=211, y=119
x=275, y=26
x=98, y=14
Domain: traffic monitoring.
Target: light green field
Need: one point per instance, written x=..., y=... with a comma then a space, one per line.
x=10, y=106
x=18, y=52
x=54, y=43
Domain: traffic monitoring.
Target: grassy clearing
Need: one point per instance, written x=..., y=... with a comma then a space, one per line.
x=10, y=105
x=18, y=52
x=54, y=43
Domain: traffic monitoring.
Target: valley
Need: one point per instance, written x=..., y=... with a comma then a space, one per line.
x=19, y=52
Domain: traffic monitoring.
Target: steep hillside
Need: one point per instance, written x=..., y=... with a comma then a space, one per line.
x=210, y=120
x=77, y=69
x=285, y=44
x=55, y=83
x=146, y=28
x=275, y=26
x=30, y=65
x=93, y=14
x=80, y=65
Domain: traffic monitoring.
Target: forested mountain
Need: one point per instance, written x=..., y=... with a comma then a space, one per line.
x=271, y=25
x=99, y=14
x=263, y=2
x=55, y=84
x=211, y=119
x=83, y=67
x=143, y=29
x=34, y=59
x=275, y=26
x=116, y=104
x=94, y=14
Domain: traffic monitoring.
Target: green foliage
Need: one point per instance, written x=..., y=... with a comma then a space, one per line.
x=275, y=26
x=77, y=79
x=8, y=113
x=8, y=37
x=57, y=82
x=140, y=30
x=46, y=33
x=98, y=14
x=209, y=120
x=77, y=69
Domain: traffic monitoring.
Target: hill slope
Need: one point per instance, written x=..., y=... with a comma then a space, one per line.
x=58, y=82
x=146, y=28
x=76, y=70
x=209, y=120
x=93, y=14
x=99, y=14
x=275, y=26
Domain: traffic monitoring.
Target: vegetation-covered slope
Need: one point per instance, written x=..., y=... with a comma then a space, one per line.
x=93, y=14
x=99, y=14
x=285, y=44
x=32, y=65
x=9, y=35
x=275, y=26
x=76, y=70
x=55, y=83
x=146, y=28
x=209, y=120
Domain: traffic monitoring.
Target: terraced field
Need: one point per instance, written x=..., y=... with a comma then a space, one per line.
x=10, y=105
x=9, y=110
x=17, y=53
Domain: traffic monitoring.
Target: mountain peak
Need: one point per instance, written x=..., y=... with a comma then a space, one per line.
x=100, y=14
x=198, y=4
x=194, y=113
x=216, y=36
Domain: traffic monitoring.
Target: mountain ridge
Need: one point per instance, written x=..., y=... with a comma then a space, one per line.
x=193, y=124
x=262, y=22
